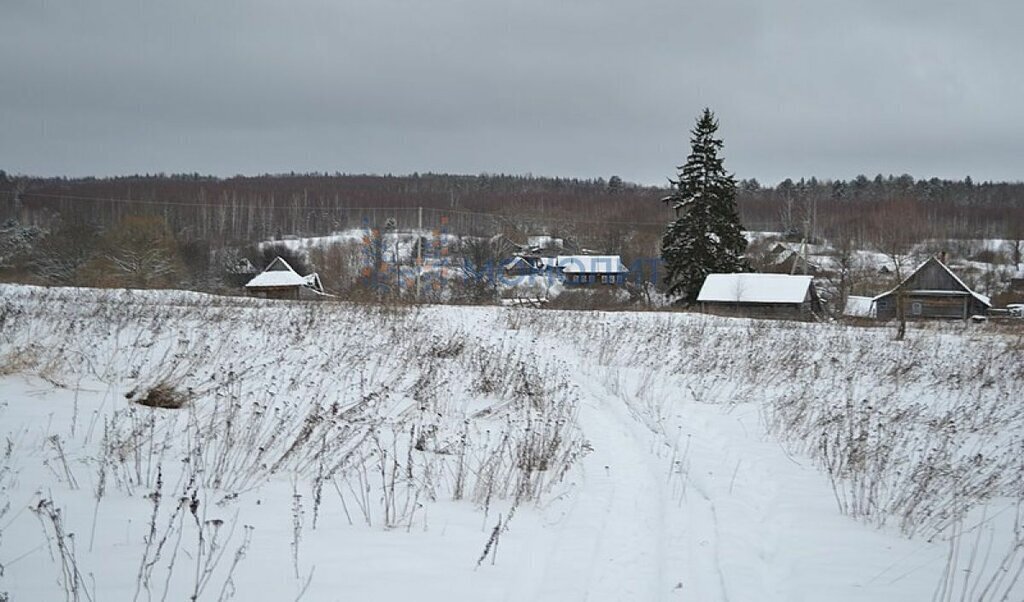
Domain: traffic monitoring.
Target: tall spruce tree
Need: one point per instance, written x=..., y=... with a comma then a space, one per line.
x=706, y=236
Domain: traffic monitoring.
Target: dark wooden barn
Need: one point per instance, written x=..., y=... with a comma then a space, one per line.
x=932, y=291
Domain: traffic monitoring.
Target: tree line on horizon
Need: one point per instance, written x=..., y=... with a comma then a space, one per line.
x=211, y=222
x=260, y=207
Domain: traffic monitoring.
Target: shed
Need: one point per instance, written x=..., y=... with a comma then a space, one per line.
x=280, y=281
x=932, y=291
x=760, y=295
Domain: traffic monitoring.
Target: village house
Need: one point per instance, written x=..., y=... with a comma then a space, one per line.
x=932, y=291
x=760, y=296
x=280, y=281
x=587, y=270
x=576, y=270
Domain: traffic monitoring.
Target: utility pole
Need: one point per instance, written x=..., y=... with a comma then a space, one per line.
x=391, y=225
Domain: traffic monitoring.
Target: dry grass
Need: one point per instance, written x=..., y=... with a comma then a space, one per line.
x=392, y=407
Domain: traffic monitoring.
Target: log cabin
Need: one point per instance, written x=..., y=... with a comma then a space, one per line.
x=932, y=291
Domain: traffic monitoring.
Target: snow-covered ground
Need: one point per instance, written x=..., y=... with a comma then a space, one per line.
x=398, y=246
x=342, y=452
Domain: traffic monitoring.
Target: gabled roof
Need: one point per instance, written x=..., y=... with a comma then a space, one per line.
x=313, y=282
x=966, y=289
x=755, y=288
x=586, y=264
x=278, y=273
x=517, y=262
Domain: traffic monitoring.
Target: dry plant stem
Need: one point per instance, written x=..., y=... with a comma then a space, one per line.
x=71, y=579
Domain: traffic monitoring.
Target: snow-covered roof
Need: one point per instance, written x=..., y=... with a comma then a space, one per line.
x=278, y=273
x=313, y=282
x=755, y=288
x=543, y=241
x=967, y=290
x=586, y=264
x=859, y=307
x=517, y=262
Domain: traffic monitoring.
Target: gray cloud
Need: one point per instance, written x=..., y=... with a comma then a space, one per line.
x=572, y=87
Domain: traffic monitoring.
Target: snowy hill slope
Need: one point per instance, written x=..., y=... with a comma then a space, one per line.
x=339, y=452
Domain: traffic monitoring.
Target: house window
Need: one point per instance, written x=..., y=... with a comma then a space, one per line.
x=604, y=279
x=915, y=308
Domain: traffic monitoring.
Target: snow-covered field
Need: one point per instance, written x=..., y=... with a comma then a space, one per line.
x=342, y=452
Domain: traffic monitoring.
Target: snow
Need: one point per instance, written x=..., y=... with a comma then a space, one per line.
x=693, y=467
x=544, y=241
x=755, y=288
x=529, y=286
x=398, y=245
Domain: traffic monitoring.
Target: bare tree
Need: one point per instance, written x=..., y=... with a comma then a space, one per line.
x=1015, y=239
x=898, y=229
x=481, y=262
x=59, y=257
x=140, y=253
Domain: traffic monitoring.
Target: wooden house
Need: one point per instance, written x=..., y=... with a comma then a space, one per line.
x=932, y=291
x=280, y=281
x=1017, y=281
x=587, y=270
x=760, y=296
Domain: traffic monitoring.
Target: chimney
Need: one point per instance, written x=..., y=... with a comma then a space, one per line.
x=942, y=257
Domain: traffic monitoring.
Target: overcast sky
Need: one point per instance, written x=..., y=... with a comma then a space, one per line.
x=573, y=88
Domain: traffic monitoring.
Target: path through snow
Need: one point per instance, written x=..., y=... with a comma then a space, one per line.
x=701, y=504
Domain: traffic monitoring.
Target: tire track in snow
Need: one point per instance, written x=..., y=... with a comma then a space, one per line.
x=612, y=542
x=629, y=534
x=692, y=544
x=628, y=558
